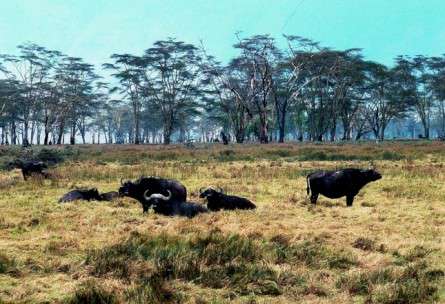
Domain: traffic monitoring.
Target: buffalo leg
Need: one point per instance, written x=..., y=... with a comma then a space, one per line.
x=144, y=208
x=314, y=198
x=349, y=200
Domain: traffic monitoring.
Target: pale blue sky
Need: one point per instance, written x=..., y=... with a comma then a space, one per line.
x=94, y=29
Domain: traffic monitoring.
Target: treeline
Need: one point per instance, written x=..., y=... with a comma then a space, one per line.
x=177, y=92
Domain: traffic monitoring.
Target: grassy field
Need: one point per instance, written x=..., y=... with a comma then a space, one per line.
x=388, y=248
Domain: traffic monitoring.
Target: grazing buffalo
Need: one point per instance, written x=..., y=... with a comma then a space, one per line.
x=336, y=184
x=144, y=187
x=217, y=200
x=81, y=194
x=31, y=168
x=163, y=204
x=109, y=196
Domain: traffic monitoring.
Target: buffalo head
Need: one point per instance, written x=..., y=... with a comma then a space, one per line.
x=210, y=192
x=372, y=175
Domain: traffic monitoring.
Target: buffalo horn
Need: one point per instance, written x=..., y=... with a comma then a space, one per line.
x=157, y=195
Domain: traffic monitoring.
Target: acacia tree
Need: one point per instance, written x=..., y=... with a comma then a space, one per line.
x=387, y=99
x=229, y=91
x=416, y=75
x=33, y=68
x=437, y=64
x=76, y=80
x=172, y=81
x=130, y=70
x=259, y=57
x=348, y=90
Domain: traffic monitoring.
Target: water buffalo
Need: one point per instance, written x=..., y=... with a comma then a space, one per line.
x=336, y=184
x=144, y=187
x=81, y=194
x=31, y=168
x=217, y=200
x=109, y=196
x=163, y=204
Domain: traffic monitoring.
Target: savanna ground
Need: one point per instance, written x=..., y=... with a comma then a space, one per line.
x=388, y=248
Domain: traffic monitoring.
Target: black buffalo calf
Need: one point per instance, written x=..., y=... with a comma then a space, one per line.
x=81, y=194
x=336, y=184
x=31, y=168
x=109, y=196
x=217, y=200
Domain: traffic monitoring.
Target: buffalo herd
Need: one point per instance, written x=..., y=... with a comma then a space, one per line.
x=169, y=197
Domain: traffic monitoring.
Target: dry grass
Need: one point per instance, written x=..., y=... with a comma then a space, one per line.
x=388, y=248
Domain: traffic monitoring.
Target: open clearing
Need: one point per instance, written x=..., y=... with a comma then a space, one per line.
x=388, y=248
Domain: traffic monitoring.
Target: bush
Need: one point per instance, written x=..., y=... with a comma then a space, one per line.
x=50, y=156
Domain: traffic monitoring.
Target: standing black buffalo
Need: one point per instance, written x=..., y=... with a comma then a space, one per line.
x=217, y=200
x=30, y=168
x=163, y=204
x=144, y=187
x=336, y=184
x=81, y=194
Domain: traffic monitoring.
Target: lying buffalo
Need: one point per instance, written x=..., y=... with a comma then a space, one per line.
x=31, y=168
x=81, y=194
x=217, y=200
x=91, y=194
x=336, y=184
x=109, y=196
x=144, y=187
x=163, y=204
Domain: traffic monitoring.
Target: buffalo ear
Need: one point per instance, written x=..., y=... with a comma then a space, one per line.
x=201, y=190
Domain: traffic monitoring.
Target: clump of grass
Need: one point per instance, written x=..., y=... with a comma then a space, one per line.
x=7, y=265
x=413, y=283
x=216, y=260
x=152, y=290
x=364, y=244
x=389, y=155
x=314, y=254
x=412, y=255
x=92, y=293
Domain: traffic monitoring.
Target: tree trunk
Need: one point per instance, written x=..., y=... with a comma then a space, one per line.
x=61, y=131
x=136, y=126
x=25, y=132
x=282, y=126
x=167, y=135
x=13, y=133
x=73, y=134
x=333, y=131
x=38, y=133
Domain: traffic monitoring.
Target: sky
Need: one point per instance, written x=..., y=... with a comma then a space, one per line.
x=95, y=29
